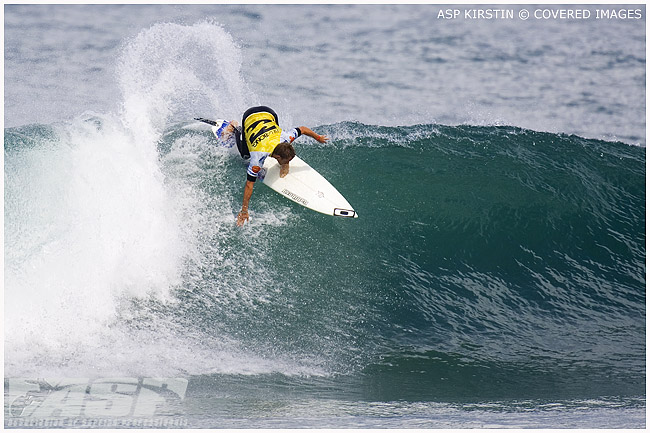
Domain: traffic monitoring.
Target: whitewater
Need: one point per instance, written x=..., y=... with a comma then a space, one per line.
x=495, y=278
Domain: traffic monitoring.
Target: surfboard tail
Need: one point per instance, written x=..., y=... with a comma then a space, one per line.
x=348, y=213
x=204, y=120
x=308, y=188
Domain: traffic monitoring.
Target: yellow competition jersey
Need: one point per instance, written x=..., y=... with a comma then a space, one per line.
x=261, y=133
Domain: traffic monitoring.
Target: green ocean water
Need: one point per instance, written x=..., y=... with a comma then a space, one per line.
x=499, y=244
x=488, y=264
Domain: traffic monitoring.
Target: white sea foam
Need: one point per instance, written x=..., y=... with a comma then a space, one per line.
x=95, y=220
x=98, y=224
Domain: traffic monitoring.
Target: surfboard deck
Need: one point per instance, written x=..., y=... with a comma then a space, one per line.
x=307, y=187
x=302, y=185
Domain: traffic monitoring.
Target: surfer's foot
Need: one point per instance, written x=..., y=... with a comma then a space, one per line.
x=229, y=130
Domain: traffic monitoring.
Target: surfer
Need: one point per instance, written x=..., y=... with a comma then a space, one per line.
x=260, y=136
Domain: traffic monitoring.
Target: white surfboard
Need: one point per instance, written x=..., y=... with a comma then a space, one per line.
x=307, y=187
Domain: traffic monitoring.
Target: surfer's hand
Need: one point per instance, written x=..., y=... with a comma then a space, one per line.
x=242, y=217
x=309, y=133
x=284, y=170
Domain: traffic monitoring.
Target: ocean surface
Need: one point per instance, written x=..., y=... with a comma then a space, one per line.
x=495, y=276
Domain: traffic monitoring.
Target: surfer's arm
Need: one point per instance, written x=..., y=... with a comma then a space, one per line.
x=242, y=217
x=309, y=133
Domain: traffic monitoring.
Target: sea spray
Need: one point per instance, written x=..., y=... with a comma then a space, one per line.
x=113, y=246
x=172, y=72
x=89, y=221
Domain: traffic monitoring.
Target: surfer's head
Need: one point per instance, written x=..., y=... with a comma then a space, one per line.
x=284, y=152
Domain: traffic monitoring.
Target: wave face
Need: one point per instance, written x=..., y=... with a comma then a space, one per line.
x=478, y=248
x=487, y=263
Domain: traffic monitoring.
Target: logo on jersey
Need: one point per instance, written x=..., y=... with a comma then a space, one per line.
x=261, y=131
